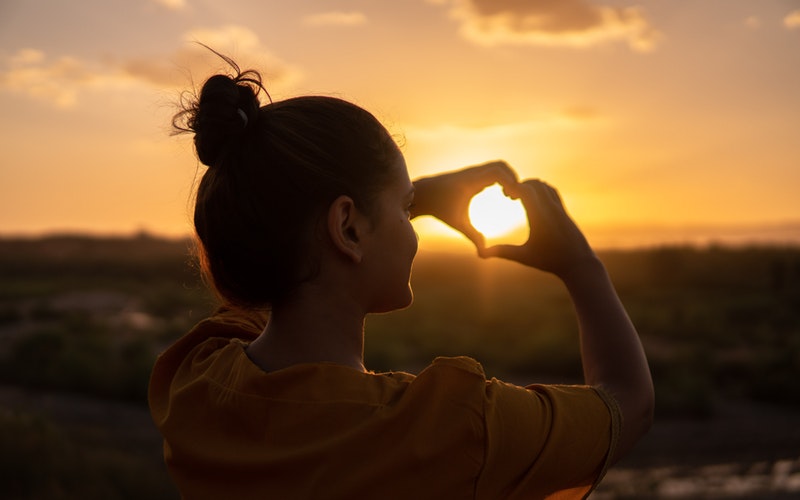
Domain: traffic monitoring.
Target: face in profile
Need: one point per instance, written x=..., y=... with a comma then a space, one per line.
x=392, y=243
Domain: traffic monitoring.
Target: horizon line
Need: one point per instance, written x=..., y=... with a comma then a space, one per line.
x=622, y=236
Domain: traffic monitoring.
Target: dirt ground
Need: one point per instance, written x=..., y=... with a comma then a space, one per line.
x=746, y=450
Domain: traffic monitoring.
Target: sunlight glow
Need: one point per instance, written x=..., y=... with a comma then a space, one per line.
x=494, y=214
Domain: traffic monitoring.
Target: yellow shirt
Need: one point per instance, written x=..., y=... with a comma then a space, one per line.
x=328, y=431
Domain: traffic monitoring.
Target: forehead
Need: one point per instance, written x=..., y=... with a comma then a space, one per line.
x=400, y=171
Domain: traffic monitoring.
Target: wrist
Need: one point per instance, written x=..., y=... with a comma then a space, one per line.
x=583, y=270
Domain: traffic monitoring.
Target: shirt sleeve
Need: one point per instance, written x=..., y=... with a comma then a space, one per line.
x=546, y=441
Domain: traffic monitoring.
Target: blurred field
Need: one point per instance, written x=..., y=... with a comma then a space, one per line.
x=82, y=319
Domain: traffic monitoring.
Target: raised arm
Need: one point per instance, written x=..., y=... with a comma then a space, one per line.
x=611, y=353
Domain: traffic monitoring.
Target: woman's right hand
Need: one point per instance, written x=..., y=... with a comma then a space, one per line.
x=611, y=352
x=555, y=243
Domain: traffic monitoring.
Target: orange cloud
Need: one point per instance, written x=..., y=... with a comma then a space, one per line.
x=752, y=22
x=172, y=4
x=336, y=19
x=573, y=23
x=55, y=80
x=792, y=20
x=60, y=80
x=580, y=113
x=192, y=59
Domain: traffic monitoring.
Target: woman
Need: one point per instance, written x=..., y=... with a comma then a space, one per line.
x=305, y=212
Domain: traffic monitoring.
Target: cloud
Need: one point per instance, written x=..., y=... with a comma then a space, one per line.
x=60, y=80
x=336, y=19
x=752, y=22
x=55, y=80
x=580, y=114
x=238, y=42
x=792, y=20
x=172, y=4
x=432, y=148
x=574, y=23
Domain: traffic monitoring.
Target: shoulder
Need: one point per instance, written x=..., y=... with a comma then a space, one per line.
x=459, y=364
x=460, y=376
x=234, y=323
x=223, y=332
x=218, y=329
x=547, y=438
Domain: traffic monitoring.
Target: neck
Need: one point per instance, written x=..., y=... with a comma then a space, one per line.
x=315, y=326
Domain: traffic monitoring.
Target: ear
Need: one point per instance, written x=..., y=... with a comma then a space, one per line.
x=345, y=228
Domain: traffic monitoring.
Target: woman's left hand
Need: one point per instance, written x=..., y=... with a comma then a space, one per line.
x=447, y=196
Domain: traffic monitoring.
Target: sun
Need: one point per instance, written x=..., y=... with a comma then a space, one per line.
x=494, y=214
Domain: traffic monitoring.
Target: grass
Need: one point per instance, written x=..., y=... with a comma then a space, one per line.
x=716, y=322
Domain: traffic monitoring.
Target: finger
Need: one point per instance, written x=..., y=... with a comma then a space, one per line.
x=494, y=171
x=501, y=172
x=474, y=236
x=527, y=187
x=508, y=252
x=552, y=194
x=542, y=199
x=531, y=194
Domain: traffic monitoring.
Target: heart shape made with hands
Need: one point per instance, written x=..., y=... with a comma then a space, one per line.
x=500, y=219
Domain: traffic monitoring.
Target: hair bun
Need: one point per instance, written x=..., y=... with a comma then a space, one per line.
x=226, y=107
x=222, y=113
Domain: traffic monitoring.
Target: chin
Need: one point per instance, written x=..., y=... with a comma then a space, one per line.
x=408, y=300
x=401, y=301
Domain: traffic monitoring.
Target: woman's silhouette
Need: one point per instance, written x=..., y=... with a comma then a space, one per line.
x=303, y=222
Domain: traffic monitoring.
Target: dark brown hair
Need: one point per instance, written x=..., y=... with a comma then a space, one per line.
x=273, y=172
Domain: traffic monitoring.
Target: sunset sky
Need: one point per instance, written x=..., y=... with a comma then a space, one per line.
x=656, y=116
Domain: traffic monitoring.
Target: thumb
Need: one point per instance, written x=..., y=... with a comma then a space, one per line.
x=509, y=252
x=474, y=236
